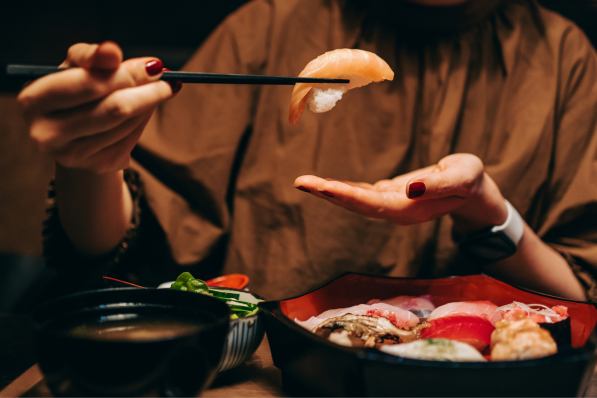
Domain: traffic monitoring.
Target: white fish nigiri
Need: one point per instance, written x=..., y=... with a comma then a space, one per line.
x=435, y=350
x=359, y=66
x=482, y=309
x=401, y=318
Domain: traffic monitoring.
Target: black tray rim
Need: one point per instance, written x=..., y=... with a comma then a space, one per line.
x=273, y=309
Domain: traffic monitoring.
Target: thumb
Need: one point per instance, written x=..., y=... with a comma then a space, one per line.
x=455, y=175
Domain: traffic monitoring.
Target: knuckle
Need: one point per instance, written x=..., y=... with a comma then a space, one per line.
x=25, y=100
x=129, y=80
x=474, y=162
x=72, y=50
x=67, y=161
x=442, y=185
x=100, y=168
x=123, y=162
x=379, y=212
x=40, y=136
x=70, y=157
x=468, y=185
x=76, y=51
x=118, y=110
x=90, y=89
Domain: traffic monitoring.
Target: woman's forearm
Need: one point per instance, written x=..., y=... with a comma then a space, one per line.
x=95, y=209
x=537, y=266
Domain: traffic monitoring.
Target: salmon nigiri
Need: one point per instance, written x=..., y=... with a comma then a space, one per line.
x=360, y=67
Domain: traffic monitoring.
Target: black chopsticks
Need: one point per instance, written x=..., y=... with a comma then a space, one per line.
x=30, y=72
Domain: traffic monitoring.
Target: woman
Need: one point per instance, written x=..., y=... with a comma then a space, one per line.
x=490, y=101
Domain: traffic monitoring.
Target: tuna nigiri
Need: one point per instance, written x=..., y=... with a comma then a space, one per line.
x=482, y=309
x=473, y=330
x=399, y=317
x=360, y=67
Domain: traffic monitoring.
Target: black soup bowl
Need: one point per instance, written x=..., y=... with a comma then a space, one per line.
x=130, y=342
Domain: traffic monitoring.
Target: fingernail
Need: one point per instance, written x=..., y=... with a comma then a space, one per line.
x=154, y=67
x=326, y=193
x=416, y=189
x=301, y=188
x=176, y=86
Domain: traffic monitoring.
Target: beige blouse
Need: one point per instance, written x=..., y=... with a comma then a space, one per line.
x=516, y=86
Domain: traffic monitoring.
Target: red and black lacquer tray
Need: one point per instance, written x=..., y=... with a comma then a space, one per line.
x=315, y=366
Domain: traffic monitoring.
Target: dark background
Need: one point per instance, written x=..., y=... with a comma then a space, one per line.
x=40, y=32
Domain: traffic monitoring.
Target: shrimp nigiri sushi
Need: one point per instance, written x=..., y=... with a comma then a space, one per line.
x=359, y=66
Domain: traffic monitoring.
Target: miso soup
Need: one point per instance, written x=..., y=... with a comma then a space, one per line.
x=134, y=328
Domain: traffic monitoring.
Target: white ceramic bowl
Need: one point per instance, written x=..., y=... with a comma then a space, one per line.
x=245, y=334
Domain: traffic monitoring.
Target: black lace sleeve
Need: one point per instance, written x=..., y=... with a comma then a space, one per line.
x=585, y=277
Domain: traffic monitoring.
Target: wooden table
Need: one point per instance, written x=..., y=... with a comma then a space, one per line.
x=258, y=377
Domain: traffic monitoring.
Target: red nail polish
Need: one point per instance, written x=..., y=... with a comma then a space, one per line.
x=302, y=188
x=326, y=193
x=416, y=189
x=154, y=67
x=176, y=86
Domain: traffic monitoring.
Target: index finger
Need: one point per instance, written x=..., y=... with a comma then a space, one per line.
x=106, y=56
x=356, y=197
x=74, y=87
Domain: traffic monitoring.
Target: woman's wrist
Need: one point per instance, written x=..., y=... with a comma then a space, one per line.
x=486, y=207
x=94, y=209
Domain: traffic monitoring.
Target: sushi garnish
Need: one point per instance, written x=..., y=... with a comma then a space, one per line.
x=359, y=66
x=538, y=312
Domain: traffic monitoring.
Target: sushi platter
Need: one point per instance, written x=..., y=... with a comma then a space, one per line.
x=453, y=339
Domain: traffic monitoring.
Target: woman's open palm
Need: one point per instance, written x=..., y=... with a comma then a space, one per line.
x=457, y=185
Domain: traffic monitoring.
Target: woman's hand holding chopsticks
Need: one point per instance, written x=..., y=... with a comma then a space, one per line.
x=89, y=118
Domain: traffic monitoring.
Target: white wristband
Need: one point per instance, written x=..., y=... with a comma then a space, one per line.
x=514, y=225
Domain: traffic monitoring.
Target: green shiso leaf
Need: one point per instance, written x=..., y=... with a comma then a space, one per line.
x=186, y=282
